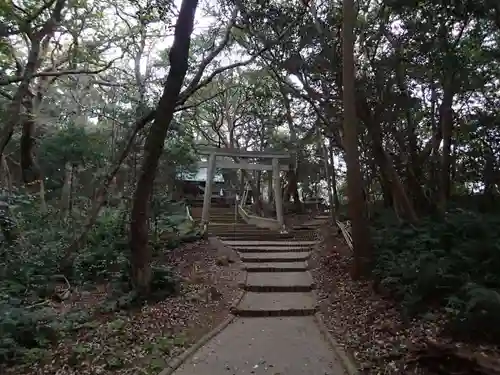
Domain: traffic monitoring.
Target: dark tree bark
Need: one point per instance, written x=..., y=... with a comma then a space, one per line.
x=384, y=160
x=102, y=192
x=29, y=169
x=291, y=189
x=357, y=205
x=489, y=173
x=38, y=37
x=446, y=123
x=178, y=57
x=336, y=200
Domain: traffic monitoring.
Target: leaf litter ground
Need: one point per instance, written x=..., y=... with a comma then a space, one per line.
x=376, y=335
x=142, y=341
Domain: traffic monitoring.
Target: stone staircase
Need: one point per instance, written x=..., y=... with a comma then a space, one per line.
x=274, y=331
x=227, y=226
x=277, y=280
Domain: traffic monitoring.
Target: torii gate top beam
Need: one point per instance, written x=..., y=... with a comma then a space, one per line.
x=213, y=152
x=235, y=152
x=228, y=164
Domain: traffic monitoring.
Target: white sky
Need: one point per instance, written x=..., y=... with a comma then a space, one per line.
x=202, y=23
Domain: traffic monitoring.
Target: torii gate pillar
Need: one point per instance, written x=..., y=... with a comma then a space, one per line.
x=207, y=197
x=277, y=192
x=239, y=164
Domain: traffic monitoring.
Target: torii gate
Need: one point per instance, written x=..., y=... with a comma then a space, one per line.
x=213, y=163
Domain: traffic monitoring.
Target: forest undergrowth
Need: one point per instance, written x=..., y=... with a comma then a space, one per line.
x=86, y=318
x=432, y=303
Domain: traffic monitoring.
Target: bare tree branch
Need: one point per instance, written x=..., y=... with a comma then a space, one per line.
x=15, y=106
x=6, y=95
x=101, y=194
x=183, y=108
x=8, y=80
x=38, y=12
x=191, y=89
x=201, y=69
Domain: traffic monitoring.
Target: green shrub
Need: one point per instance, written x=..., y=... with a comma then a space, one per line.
x=105, y=256
x=30, y=269
x=450, y=263
x=24, y=328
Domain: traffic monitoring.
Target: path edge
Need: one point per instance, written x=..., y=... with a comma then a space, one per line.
x=174, y=364
x=222, y=249
x=236, y=302
x=347, y=363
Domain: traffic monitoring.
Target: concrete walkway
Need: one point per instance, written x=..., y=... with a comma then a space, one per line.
x=275, y=332
x=271, y=346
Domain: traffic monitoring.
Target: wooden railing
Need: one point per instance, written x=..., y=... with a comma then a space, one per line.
x=346, y=231
x=188, y=214
x=258, y=221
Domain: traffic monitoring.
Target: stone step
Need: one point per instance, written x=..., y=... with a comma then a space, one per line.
x=238, y=225
x=269, y=243
x=220, y=225
x=249, y=236
x=275, y=267
x=228, y=222
x=253, y=234
x=229, y=219
x=240, y=230
x=305, y=228
x=276, y=304
x=274, y=257
x=268, y=282
x=300, y=237
x=263, y=236
x=222, y=230
x=267, y=249
x=213, y=223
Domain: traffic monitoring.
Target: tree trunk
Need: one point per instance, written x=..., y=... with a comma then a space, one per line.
x=413, y=167
x=446, y=116
x=413, y=172
x=386, y=191
x=321, y=143
x=7, y=178
x=258, y=182
x=8, y=226
x=66, y=189
x=385, y=162
x=35, y=50
x=102, y=192
x=242, y=184
x=489, y=173
x=153, y=148
x=30, y=171
x=336, y=200
x=291, y=189
x=270, y=192
x=357, y=206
